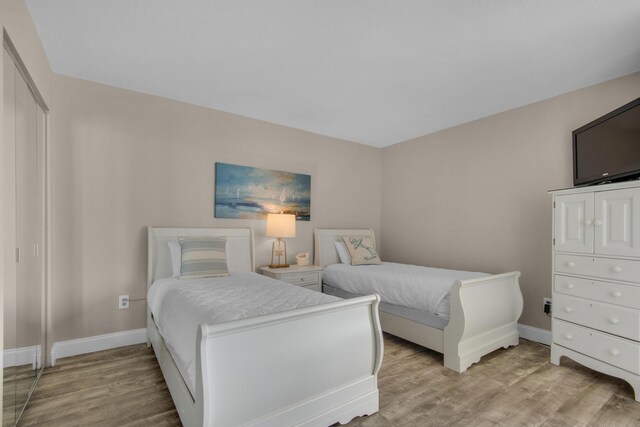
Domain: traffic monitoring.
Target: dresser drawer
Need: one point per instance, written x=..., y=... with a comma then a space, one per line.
x=301, y=279
x=613, y=350
x=621, y=321
x=606, y=268
x=614, y=293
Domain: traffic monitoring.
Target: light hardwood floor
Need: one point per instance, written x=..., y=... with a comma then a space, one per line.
x=17, y=383
x=513, y=387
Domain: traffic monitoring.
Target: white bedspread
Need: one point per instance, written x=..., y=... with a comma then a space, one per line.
x=422, y=288
x=179, y=306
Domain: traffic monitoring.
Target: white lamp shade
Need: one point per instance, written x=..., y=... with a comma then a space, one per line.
x=281, y=225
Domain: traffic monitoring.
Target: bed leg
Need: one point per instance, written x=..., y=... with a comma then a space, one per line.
x=457, y=364
x=512, y=343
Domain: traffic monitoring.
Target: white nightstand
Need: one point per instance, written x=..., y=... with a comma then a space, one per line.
x=309, y=277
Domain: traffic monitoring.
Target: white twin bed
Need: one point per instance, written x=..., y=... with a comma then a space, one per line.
x=247, y=350
x=464, y=315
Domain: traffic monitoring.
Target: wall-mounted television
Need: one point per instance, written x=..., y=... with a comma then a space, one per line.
x=608, y=148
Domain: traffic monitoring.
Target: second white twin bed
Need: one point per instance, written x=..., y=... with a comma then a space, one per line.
x=464, y=315
x=415, y=287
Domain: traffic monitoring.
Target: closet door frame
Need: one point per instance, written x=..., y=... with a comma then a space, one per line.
x=8, y=266
x=8, y=253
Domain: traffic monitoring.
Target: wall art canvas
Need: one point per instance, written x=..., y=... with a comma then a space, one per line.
x=252, y=193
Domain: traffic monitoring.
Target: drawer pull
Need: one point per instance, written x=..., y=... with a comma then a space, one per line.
x=614, y=320
x=568, y=309
x=614, y=352
x=617, y=269
x=598, y=222
x=616, y=294
x=571, y=264
x=570, y=286
x=302, y=279
x=568, y=337
x=588, y=222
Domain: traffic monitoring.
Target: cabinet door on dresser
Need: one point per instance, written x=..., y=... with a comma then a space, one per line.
x=573, y=222
x=615, y=233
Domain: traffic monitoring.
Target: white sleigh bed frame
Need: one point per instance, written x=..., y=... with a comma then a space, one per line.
x=483, y=312
x=300, y=367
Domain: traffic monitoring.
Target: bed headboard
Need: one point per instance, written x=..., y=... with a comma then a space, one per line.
x=240, y=255
x=324, y=250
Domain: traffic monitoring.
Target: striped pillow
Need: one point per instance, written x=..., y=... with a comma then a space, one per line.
x=203, y=257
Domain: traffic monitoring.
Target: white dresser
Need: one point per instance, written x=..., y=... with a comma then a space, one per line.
x=596, y=279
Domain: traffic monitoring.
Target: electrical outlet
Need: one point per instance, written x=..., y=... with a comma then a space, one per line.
x=123, y=301
x=546, y=305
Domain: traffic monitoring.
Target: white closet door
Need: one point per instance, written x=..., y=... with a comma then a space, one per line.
x=23, y=224
x=573, y=223
x=27, y=307
x=615, y=234
x=40, y=241
x=33, y=296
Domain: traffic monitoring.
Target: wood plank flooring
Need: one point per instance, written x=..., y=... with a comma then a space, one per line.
x=513, y=387
x=17, y=383
x=120, y=387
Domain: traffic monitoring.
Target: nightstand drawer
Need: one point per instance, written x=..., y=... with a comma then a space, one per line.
x=614, y=293
x=621, y=321
x=612, y=350
x=301, y=279
x=607, y=268
x=306, y=276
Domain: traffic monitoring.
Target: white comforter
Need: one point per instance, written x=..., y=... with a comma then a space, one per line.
x=179, y=306
x=422, y=288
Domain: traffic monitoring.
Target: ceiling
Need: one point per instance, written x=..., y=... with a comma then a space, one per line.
x=370, y=71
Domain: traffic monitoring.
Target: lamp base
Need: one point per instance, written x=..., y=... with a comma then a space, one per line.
x=279, y=250
x=278, y=265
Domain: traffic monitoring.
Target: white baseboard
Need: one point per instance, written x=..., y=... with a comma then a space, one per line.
x=534, y=334
x=21, y=356
x=97, y=343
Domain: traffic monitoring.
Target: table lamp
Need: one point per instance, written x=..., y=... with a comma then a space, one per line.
x=280, y=226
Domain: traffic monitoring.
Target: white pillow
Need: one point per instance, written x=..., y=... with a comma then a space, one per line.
x=343, y=252
x=175, y=252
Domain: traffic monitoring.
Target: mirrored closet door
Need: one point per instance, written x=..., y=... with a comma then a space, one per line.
x=23, y=299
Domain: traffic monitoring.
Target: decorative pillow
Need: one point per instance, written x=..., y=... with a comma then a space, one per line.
x=362, y=250
x=176, y=257
x=343, y=252
x=203, y=257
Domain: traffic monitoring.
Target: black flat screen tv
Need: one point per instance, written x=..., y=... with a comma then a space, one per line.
x=608, y=148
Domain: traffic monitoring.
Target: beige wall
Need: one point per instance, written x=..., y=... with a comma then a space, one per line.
x=122, y=160
x=471, y=197
x=475, y=196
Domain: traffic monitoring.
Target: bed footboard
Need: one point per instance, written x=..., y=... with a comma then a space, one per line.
x=314, y=367
x=484, y=316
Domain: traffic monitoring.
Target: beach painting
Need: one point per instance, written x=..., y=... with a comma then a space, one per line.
x=251, y=193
